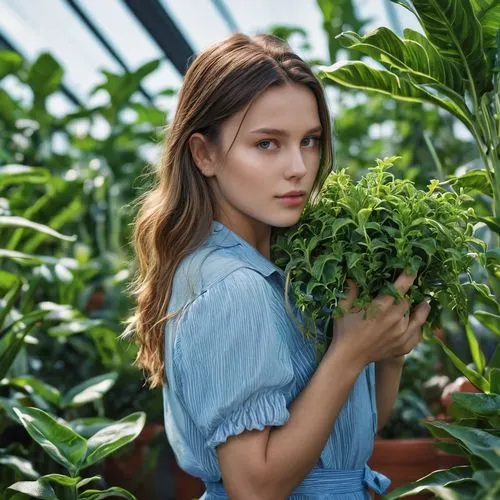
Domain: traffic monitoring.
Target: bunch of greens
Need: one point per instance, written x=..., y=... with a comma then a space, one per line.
x=371, y=231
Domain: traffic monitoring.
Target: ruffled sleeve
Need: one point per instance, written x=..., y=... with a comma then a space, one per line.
x=232, y=366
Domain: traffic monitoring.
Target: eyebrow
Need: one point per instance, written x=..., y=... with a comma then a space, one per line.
x=284, y=133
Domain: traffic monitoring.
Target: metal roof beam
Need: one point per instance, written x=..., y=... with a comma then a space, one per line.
x=95, y=31
x=163, y=30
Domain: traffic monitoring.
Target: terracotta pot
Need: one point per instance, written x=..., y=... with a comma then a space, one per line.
x=96, y=300
x=187, y=487
x=406, y=460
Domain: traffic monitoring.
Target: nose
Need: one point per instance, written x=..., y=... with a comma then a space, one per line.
x=296, y=164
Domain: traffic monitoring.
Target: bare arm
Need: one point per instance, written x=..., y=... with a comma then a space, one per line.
x=387, y=380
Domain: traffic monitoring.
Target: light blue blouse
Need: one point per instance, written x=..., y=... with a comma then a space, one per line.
x=235, y=361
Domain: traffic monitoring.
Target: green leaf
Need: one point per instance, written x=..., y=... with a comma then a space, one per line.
x=148, y=114
x=57, y=439
x=90, y=390
x=8, y=302
x=495, y=381
x=492, y=222
x=8, y=109
x=73, y=327
x=475, y=349
x=489, y=320
x=465, y=404
x=10, y=62
x=426, y=244
x=68, y=213
x=494, y=361
x=113, y=437
x=433, y=482
x=488, y=14
x=484, y=293
x=480, y=443
x=13, y=344
x=33, y=385
x=60, y=479
x=453, y=28
x=8, y=280
x=486, y=478
x=21, y=174
x=86, y=427
x=16, y=222
x=44, y=77
x=472, y=180
x=34, y=489
x=414, y=56
x=121, y=87
x=358, y=75
x=19, y=465
x=26, y=258
x=88, y=480
x=110, y=492
x=474, y=377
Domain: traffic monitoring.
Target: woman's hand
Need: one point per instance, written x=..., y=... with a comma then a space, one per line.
x=388, y=332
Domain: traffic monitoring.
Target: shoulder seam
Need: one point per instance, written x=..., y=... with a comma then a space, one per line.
x=244, y=265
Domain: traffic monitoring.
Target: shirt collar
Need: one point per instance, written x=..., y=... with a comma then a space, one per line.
x=223, y=237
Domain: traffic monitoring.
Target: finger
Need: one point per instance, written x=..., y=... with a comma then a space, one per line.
x=403, y=324
x=351, y=294
x=414, y=338
x=402, y=284
x=419, y=316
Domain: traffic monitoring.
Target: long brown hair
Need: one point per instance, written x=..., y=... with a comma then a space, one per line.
x=175, y=215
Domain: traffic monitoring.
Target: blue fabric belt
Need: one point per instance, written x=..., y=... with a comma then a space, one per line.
x=329, y=481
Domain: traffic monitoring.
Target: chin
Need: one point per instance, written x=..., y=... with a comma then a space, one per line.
x=285, y=221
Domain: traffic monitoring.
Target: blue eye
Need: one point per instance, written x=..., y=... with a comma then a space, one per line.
x=265, y=144
x=315, y=138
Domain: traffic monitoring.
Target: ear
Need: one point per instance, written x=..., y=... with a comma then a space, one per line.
x=203, y=154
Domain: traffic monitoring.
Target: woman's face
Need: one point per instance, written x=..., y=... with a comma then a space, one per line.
x=276, y=150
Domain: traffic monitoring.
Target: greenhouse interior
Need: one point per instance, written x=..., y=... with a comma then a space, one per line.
x=96, y=99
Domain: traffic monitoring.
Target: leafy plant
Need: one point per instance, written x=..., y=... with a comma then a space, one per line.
x=74, y=453
x=26, y=319
x=455, y=67
x=370, y=232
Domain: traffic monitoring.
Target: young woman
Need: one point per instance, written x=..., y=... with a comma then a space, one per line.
x=247, y=407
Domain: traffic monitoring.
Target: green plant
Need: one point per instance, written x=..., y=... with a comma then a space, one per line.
x=74, y=453
x=370, y=232
x=453, y=67
x=29, y=319
x=475, y=433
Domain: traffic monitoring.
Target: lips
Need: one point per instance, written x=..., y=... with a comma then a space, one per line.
x=293, y=194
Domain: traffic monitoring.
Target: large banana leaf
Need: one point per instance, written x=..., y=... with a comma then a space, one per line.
x=488, y=14
x=453, y=27
x=356, y=74
x=422, y=62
